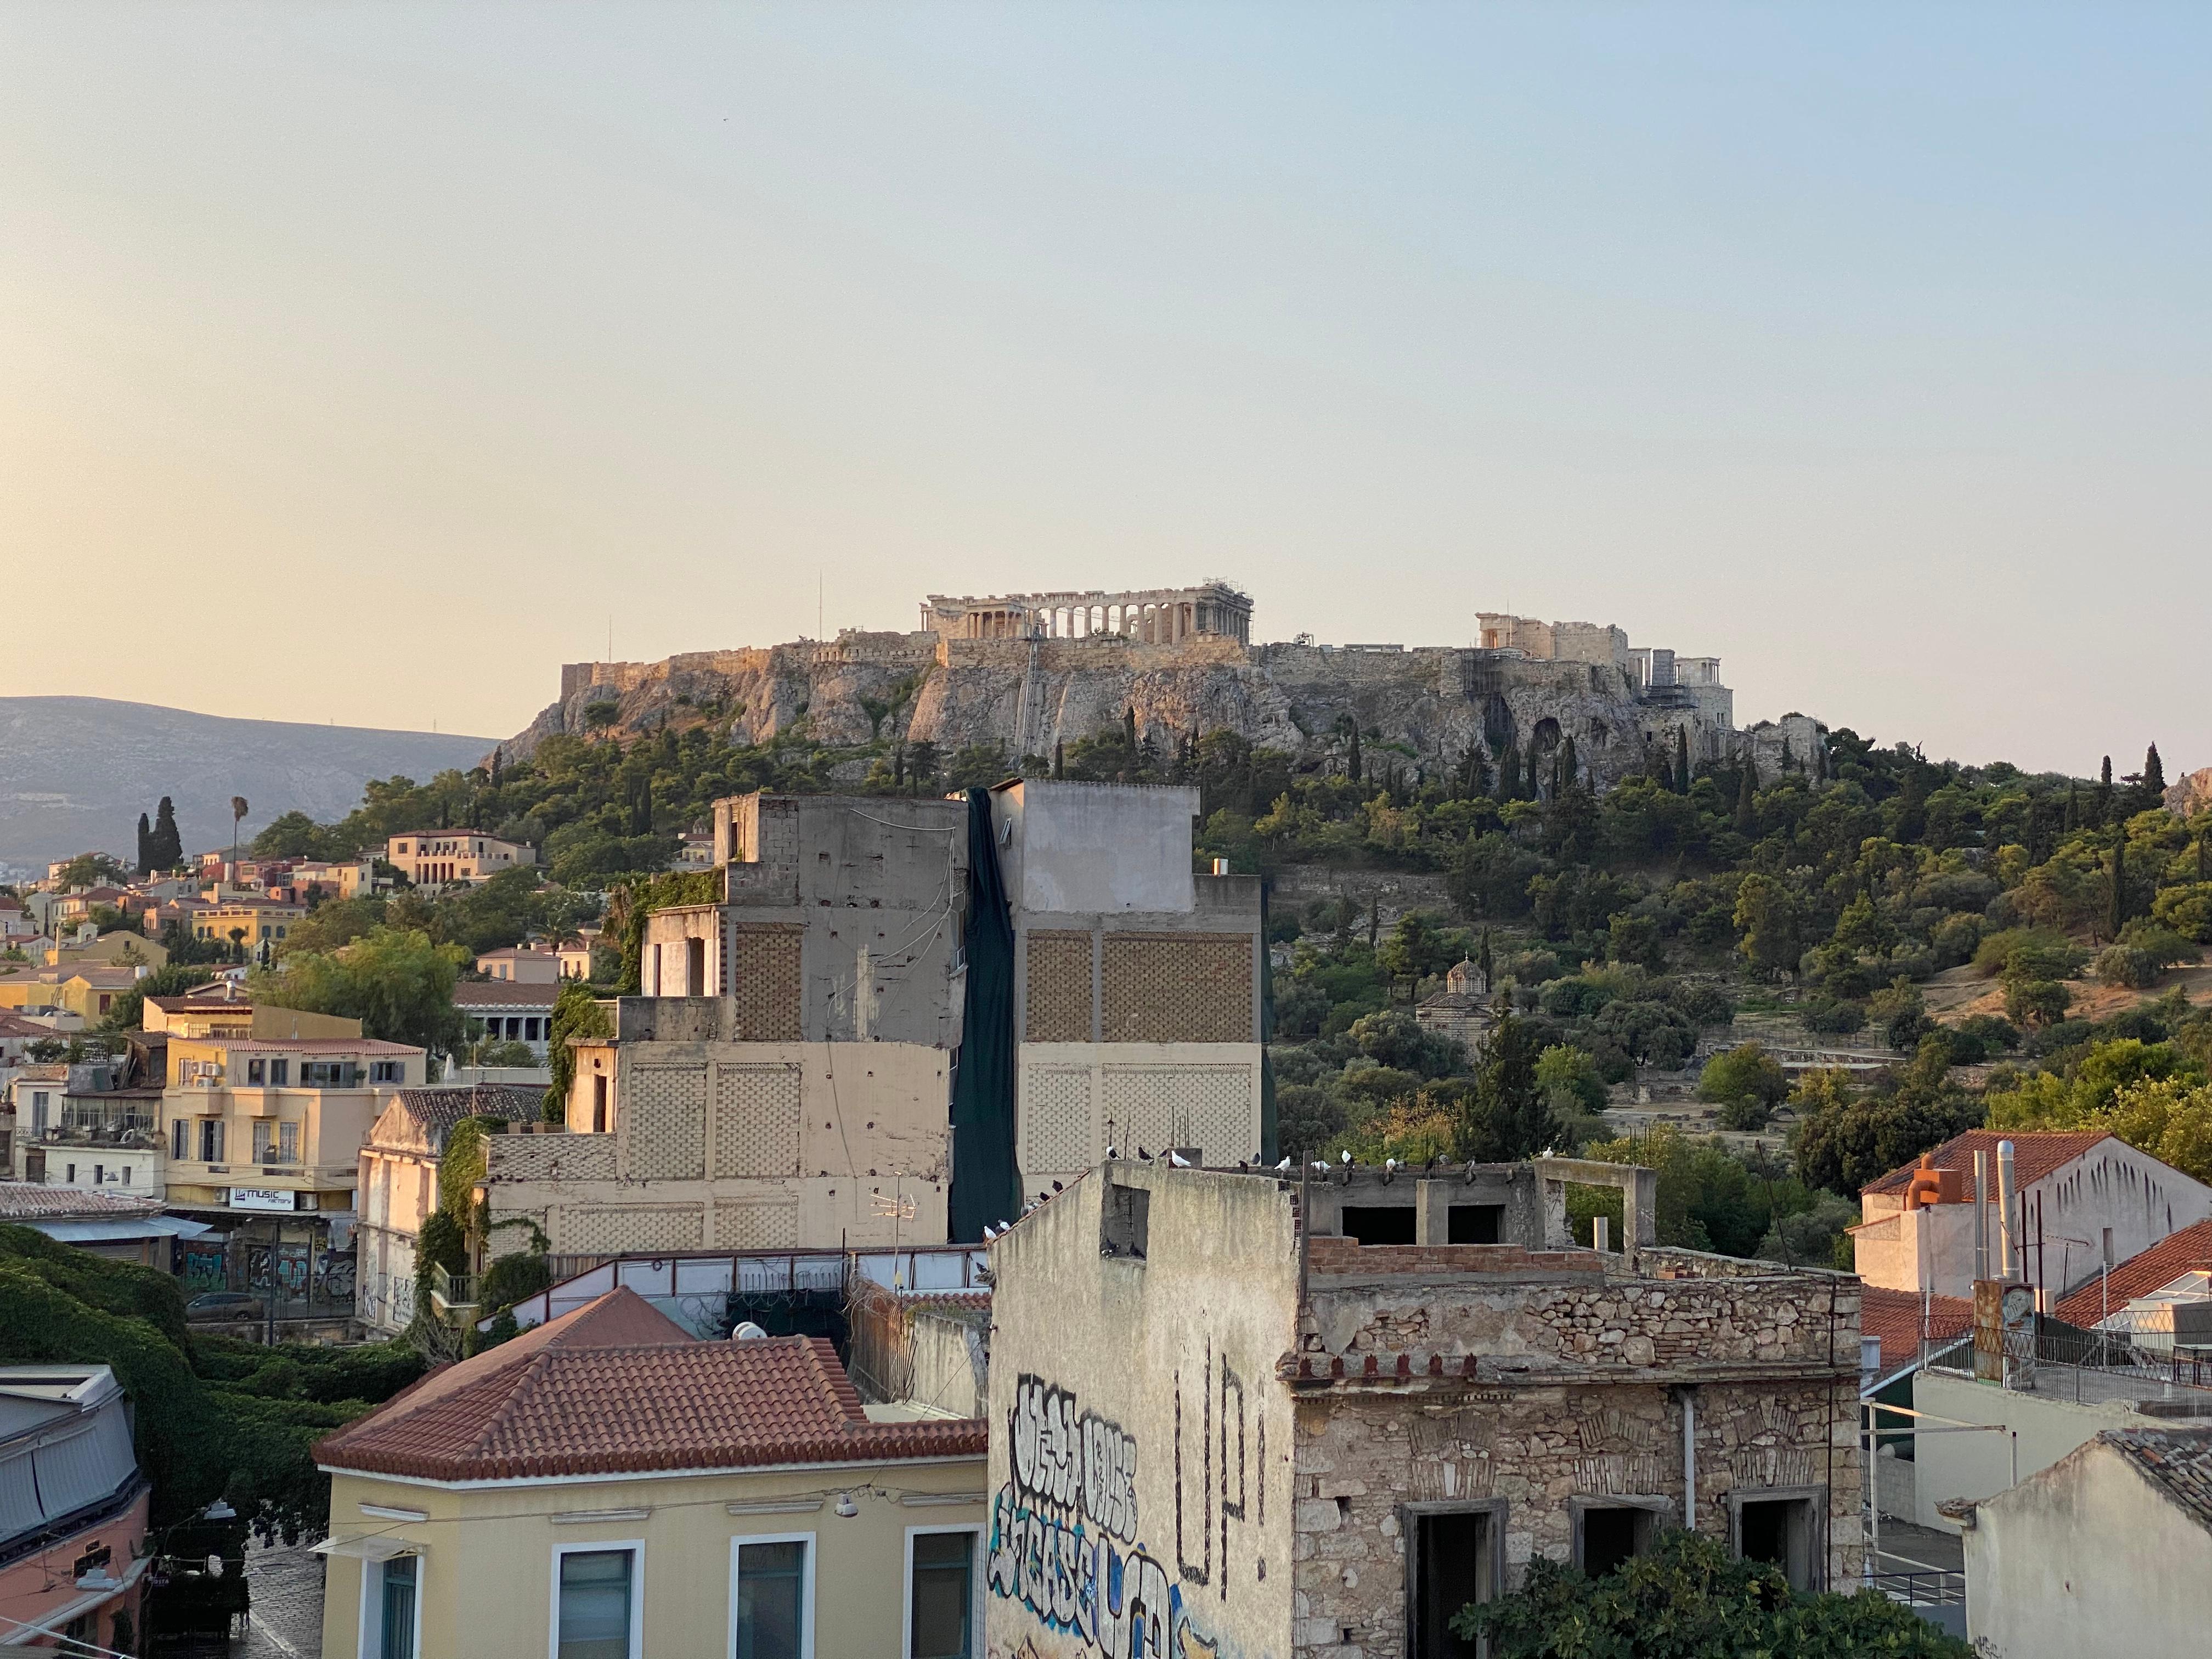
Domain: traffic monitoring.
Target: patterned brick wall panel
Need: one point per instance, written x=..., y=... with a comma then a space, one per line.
x=589, y=1229
x=666, y=1109
x=550, y=1157
x=765, y=983
x=1210, y=1107
x=757, y=1121
x=1057, y=1118
x=1058, y=964
x=1178, y=987
x=769, y=1225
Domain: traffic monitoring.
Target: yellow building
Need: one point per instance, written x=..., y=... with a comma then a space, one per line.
x=626, y=1491
x=275, y=1125
x=246, y=920
x=441, y=858
x=88, y=990
x=223, y=1009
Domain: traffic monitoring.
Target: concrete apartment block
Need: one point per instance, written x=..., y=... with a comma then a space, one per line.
x=1238, y=1423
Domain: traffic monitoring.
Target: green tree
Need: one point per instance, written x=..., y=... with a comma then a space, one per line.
x=1768, y=917
x=1746, y=796
x=91, y=870
x=1414, y=949
x=576, y=1013
x=1690, y=1598
x=165, y=843
x=1746, y=1083
x=145, y=836
x=1506, y=1117
x=396, y=981
x=1682, y=760
x=2117, y=918
x=1847, y=1137
x=291, y=835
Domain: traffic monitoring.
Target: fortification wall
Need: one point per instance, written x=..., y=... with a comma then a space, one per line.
x=1429, y=705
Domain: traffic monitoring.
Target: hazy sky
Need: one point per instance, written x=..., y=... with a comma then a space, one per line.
x=365, y=362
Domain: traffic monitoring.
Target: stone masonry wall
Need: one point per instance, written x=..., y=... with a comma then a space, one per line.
x=1362, y=1455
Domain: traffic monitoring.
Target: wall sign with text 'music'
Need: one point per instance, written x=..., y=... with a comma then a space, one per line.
x=261, y=1198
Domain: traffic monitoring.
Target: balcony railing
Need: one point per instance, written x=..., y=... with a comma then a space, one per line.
x=452, y=1292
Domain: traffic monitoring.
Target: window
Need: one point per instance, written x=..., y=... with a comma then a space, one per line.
x=280, y=1073
x=530, y=1032
x=1608, y=1532
x=1458, y=1556
x=180, y=1143
x=655, y=991
x=257, y=1073
x=1125, y=1222
x=38, y=1098
x=69, y=1176
x=695, y=966
x=264, y=1140
x=386, y=1071
x=1379, y=1224
x=126, y=1176
x=1781, y=1525
x=596, y=1611
x=1475, y=1224
x=211, y=1140
x=391, y=1608
x=287, y=1143
x=940, y=1598
x=600, y=1104
x=772, y=1597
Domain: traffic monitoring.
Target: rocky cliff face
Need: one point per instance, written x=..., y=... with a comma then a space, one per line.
x=1024, y=695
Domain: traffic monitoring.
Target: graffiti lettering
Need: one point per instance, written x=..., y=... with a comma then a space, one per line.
x=1077, y=1463
x=1119, y=1602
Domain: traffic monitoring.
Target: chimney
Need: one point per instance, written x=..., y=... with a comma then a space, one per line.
x=2006, y=1240
x=1981, y=1215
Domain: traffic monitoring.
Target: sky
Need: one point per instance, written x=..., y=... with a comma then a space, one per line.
x=366, y=363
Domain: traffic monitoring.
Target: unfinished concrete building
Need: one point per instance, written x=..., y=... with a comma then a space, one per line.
x=1152, y=616
x=1042, y=959
x=1248, y=1415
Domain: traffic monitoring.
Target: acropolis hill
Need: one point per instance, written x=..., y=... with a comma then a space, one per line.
x=1023, y=671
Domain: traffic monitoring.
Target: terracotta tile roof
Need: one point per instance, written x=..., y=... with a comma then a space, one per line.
x=26, y=1200
x=1895, y=1318
x=615, y=1389
x=14, y=1025
x=439, y=1109
x=2178, y=1253
x=305, y=1045
x=2035, y=1154
x=505, y=993
x=2178, y=1460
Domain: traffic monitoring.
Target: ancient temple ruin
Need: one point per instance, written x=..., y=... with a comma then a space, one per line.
x=1151, y=616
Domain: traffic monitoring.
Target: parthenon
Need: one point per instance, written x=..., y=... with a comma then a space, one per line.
x=1152, y=616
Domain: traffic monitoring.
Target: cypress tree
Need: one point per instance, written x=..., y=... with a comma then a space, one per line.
x=2073, y=819
x=1569, y=767
x=1509, y=774
x=1746, y=809
x=1483, y=960
x=1353, y=767
x=165, y=846
x=2203, y=858
x=2153, y=779
x=2103, y=795
x=145, y=835
x=2119, y=885
x=1058, y=758
x=1129, y=727
x=1682, y=759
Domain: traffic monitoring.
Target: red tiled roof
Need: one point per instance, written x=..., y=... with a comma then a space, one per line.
x=1895, y=1318
x=2178, y=1253
x=2035, y=1154
x=2177, y=1458
x=615, y=1389
x=14, y=1024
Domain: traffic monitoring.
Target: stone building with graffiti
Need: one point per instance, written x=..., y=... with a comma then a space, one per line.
x=1245, y=1417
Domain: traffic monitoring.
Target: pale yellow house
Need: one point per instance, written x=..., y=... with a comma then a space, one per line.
x=87, y=990
x=603, y=1486
x=275, y=1125
x=224, y=1009
x=246, y=920
x=443, y=857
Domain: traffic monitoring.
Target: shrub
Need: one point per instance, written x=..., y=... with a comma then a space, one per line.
x=1995, y=1034
x=1747, y=1083
x=2036, y=1002
x=2186, y=909
x=1832, y=1015
x=1991, y=955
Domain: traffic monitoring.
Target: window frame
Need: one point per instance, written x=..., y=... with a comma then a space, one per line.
x=371, y=1621
x=1815, y=1499
x=1660, y=1509
x=598, y=1547
x=1409, y=1519
x=738, y=1541
x=975, y=1531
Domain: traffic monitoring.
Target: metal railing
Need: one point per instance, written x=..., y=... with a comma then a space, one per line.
x=1925, y=1587
x=452, y=1291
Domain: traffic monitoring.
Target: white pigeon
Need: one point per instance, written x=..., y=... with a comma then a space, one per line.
x=1347, y=1155
x=1111, y=1154
x=1176, y=1160
x=1321, y=1164
x=1283, y=1167
x=988, y=1234
x=1390, y=1164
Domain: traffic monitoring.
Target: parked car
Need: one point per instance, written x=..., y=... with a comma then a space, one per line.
x=225, y=1304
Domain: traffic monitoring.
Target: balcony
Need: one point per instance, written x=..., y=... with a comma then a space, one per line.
x=452, y=1296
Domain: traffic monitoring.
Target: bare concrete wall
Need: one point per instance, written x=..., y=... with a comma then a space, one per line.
x=2087, y=1557
x=1078, y=848
x=1139, y=1436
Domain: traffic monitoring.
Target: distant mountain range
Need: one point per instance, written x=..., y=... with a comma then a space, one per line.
x=77, y=772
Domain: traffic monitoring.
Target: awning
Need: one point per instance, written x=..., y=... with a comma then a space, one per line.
x=117, y=1232
x=372, y=1546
